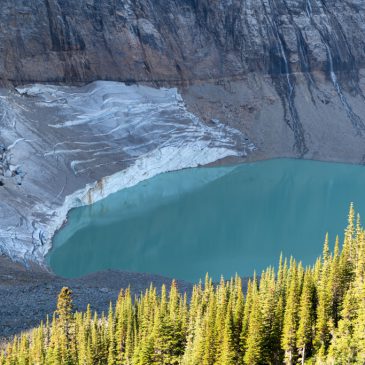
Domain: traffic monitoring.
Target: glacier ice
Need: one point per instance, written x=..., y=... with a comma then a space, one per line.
x=65, y=147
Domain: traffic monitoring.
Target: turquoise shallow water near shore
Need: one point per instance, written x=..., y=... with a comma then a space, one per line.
x=220, y=220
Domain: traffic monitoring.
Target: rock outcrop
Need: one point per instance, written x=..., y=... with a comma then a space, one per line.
x=178, y=41
x=274, y=52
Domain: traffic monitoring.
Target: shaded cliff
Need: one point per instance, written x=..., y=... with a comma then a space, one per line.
x=174, y=41
x=289, y=74
x=284, y=58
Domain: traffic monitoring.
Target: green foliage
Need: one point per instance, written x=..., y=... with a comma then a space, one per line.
x=308, y=316
x=305, y=332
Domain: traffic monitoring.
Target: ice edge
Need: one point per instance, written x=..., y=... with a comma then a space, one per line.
x=164, y=160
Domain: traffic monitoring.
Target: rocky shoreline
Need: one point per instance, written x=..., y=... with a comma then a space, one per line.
x=29, y=295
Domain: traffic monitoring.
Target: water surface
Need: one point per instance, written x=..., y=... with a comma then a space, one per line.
x=220, y=220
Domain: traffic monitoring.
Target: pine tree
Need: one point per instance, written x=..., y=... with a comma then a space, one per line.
x=238, y=313
x=347, y=262
x=65, y=323
x=227, y=355
x=82, y=339
x=53, y=354
x=111, y=338
x=194, y=352
x=291, y=316
x=24, y=351
x=65, y=307
x=251, y=287
x=359, y=289
x=37, y=349
x=343, y=347
x=305, y=331
x=221, y=310
x=324, y=309
x=359, y=323
x=270, y=327
x=208, y=327
x=334, y=285
x=254, y=335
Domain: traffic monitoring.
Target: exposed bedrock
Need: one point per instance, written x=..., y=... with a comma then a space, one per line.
x=321, y=123
x=289, y=72
x=177, y=41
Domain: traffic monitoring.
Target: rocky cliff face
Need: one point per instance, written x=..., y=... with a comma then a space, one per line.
x=178, y=41
x=289, y=73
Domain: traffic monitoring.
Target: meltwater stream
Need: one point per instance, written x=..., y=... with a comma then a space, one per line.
x=220, y=220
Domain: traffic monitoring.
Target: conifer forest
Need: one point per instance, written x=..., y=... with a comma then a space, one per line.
x=292, y=315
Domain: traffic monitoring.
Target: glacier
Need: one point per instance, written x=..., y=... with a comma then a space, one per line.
x=65, y=146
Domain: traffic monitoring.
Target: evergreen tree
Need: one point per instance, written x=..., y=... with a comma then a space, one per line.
x=238, y=313
x=194, y=353
x=209, y=341
x=358, y=323
x=334, y=285
x=111, y=337
x=66, y=325
x=291, y=316
x=305, y=331
x=324, y=310
x=246, y=314
x=65, y=307
x=343, y=347
x=227, y=354
x=270, y=332
x=253, y=351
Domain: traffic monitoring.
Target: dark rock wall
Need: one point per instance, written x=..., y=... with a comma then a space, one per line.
x=178, y=40
x=297, y=63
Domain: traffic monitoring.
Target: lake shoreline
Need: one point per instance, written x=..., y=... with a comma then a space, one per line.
x=220, y=203
x=29, y=295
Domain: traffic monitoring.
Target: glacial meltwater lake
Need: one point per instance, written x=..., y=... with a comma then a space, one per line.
x=220, y=220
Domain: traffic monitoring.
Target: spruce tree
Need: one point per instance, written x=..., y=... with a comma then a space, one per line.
x=111, y=336
x=334, y=285
x=343, y=349
x=359, y=324
x=209, y=340
x=253, y=353
x=305, y=331
x=291, y=316
x=227, y=354
x=65, y=307
x=246, y=314
x=238, y=313
x=270, y=335
x=324, y=310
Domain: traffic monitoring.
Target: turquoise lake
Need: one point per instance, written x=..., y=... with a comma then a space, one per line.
x=220, y=220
